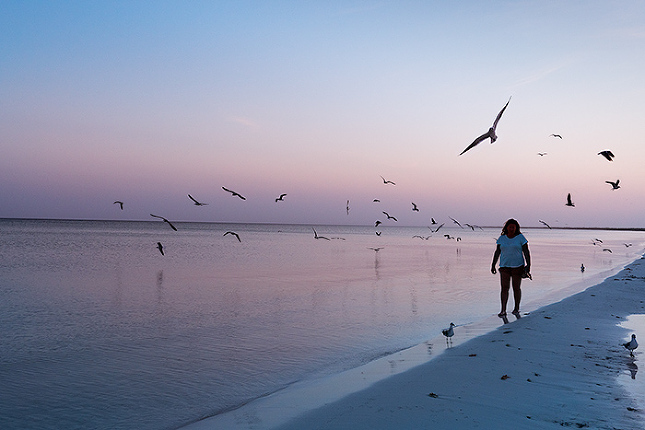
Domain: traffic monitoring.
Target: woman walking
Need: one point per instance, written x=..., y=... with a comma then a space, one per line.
x=514, y=264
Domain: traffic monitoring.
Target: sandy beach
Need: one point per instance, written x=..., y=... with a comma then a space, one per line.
x=556, y=367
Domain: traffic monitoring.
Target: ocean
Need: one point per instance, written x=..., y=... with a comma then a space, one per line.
x=98, y=329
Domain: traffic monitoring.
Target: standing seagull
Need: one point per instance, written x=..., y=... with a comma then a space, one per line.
x=160, y=248
x=607, y=154
x=569, y=202
x=234, y=234
x=234, y=194
x=614, y=185
x=449, y=332
x=196, y=202
x=631, y=345
x=491, y=131
x=166, y=221
x=120, y=203
x=387, y=182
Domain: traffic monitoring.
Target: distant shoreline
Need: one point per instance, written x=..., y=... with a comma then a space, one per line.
x=310, y=224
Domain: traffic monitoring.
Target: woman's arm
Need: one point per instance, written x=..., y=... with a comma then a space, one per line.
x=527, y=256
x=498, y=251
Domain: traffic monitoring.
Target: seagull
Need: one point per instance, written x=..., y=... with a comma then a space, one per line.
x=165, y=220
x=378, y=233
x=608, y=250
x=281, y=198
x=376, y=224
x=390, y=216
x=490, y=133
x=433, y=221
x=449, y=332
x=548, y=226
x=318, y=237
x=437, y=229
x=607, y=154
x=160, y=248
x=557, y=135
x=375, y=249
x=472, y=227
x=234, y=194
x=347, y=207
x=196, y=202
x=414, y=207
x=569, y=202
x=541, y=154
x=387, y=182
x=455, y=221
x=234, y=234
x=627, y=245
x=614, y=185
x=631, y=345
x=376, y=201
x=120, y=203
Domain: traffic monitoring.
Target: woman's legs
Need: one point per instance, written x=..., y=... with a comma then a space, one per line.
x=505, y=277
x=505, y=281
x=517, y=291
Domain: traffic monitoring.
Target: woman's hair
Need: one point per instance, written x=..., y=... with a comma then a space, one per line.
x=511, y=221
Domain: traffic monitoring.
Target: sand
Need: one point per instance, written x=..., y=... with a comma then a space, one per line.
x=558, y=366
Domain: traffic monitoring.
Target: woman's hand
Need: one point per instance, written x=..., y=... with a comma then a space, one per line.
x=493, y=270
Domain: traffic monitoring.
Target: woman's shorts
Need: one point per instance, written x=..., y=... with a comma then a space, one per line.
x=513, y=271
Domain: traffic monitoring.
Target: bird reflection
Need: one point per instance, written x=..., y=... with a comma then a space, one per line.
x=160, y=289
x=633, y=369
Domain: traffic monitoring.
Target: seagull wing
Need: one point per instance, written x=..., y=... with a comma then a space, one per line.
x=477, y=141
x=499, y=115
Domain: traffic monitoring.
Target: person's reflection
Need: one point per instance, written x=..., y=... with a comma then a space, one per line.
x=160, y=289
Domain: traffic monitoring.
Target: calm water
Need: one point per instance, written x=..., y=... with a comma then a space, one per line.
x=99, y=330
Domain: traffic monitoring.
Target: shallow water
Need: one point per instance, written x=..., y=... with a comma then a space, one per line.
x=98, y=329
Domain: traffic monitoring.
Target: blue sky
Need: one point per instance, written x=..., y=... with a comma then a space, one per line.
x=146, y=102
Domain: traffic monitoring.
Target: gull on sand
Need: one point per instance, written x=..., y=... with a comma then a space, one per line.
x=631, y=345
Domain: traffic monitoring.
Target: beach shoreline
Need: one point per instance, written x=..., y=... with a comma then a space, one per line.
x=557, y=366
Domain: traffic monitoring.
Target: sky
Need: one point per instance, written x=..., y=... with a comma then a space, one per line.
x=147, y=102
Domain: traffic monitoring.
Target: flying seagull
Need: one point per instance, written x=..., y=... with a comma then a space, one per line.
x=375, y=249
x=318, y=237
x=557, y=135
x=437, y=229
x=160, y=248
x=376, y=224
x=547, y=225
x=456, y=222
x=196, y=202
x=387, y=182
x=120, y=203
x=631, y=345
x=433, y=221
x=234, y=194
x=541, y=154
x=490, y=133
x=234, y=234
x=607, y=154
x=281, y=198
x=569, y=202
x=166, y=221
x=614, y=185
x=390, y=216
x=414, y=207
x=347, y=207
x=376, y=201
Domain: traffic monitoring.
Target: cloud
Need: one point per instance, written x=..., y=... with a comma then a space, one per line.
x=242, y=121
